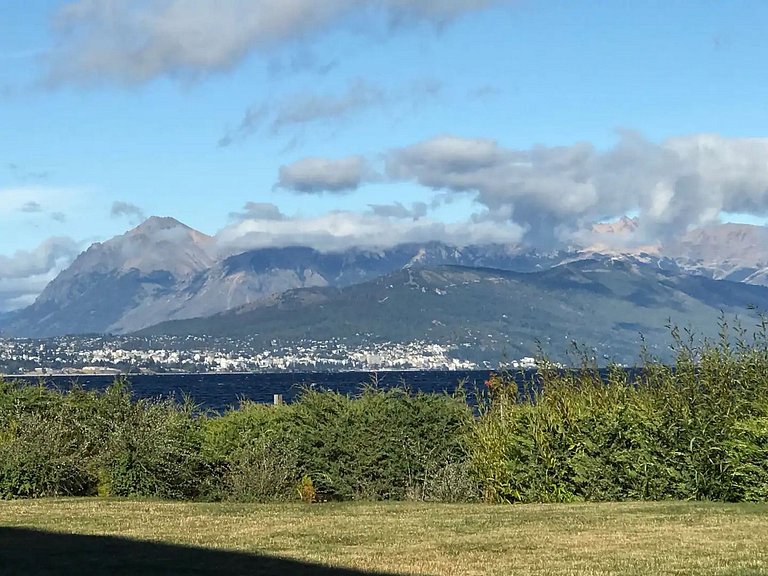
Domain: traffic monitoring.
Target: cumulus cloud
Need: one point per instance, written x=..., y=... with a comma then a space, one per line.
x=340, y=230
x=26, y=263
x=302, y=109
x=136, y=41
x=316, y=175
x=121, y=208
x=24, y=274
x=555, y=193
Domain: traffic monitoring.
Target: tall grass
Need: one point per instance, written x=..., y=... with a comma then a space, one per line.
x=693, y=430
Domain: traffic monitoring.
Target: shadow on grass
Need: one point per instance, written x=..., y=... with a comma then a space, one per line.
x=32, y=552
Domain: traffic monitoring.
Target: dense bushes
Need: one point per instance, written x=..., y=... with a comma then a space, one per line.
x=695, y=430
x=81, y=443
x=149, y=448
x=43, y=443
x=381, y=444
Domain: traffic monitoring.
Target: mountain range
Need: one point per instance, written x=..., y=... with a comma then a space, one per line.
x=164, y=277
x=606, y=304
x=164, y=270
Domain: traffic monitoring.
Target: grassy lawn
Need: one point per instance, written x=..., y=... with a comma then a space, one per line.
x=37, y=536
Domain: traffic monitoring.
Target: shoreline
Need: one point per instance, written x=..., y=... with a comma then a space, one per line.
x=128, y=374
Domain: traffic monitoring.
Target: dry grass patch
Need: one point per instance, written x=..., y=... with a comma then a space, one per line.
x=450, y=539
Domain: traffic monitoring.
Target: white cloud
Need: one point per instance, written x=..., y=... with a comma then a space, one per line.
x=259, y=211
x=121, y=209
x=299, y=110
x=343, y=229
x=24, y=274
x=556, y=193
x=136, y=41
x=317, y=175
x=398, y=210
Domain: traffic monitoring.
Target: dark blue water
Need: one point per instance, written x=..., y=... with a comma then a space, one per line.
x=222, y=391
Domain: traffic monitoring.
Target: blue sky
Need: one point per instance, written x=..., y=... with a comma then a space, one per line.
x=268, y=122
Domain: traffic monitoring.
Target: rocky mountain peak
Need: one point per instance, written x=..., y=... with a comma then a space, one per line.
x=165, y=270
x=624, y=225
x=728, y=245
x=154, y=224
x=157, y=244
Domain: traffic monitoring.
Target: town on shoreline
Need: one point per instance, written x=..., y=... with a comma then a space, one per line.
x=115, y=355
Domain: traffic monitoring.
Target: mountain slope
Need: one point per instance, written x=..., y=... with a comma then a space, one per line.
x=256, y=274
x=737, y=252
x=605, y=304
x=110, y=279
x=163, y=270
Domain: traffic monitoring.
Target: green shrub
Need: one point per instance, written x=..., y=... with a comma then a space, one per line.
x=747, y=455
x=252, y=454
x=43, y=455
x=379, y=444
x=695, y=430
x=262, y=468
x=453, y=481
x=46, y=441
x=152, y=448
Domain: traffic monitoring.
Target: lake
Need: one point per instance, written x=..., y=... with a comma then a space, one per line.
x=221, y=391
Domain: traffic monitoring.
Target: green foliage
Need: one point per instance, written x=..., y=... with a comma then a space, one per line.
x=44, y=442
x=306, y=490
x=697, y=430
x=81, y=443
x=152, y=449
x=252, y=453
x=42, y=456
x=747, y=460
x=381, y=444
